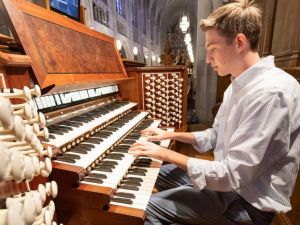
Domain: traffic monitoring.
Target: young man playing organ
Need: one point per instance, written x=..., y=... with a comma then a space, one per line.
x=255, y=136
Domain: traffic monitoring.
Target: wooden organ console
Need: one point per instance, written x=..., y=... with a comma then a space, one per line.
x=93, y=114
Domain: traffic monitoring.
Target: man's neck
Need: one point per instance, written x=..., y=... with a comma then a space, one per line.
x=249, y=59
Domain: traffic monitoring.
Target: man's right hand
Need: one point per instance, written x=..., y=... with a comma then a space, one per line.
x=156, y=134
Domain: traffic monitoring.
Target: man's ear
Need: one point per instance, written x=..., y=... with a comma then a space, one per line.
x=241, y=41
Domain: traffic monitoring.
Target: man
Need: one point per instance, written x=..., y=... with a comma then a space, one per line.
x=255, y=136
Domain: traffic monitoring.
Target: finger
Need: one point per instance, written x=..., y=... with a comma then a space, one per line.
x=136, y=152
x=137, y=147
x=153, y=138
x=149, y=131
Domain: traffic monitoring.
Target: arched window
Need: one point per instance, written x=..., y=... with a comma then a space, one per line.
x=135, y=13
x=152, y=22
x=120, y=7
x=145, y=15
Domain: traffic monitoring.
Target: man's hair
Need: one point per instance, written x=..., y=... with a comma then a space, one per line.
x=241, y=16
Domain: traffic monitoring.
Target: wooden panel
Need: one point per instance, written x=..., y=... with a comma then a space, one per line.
x=222, y=85
x=265, y=43
x=74, y=53
x=62, y=50
x=281, y=32
x=286, y=26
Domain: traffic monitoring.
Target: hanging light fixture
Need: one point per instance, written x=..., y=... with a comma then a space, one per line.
x=184, y=24
x=187, y=38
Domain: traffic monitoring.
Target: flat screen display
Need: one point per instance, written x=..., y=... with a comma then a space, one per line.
x=69, y=8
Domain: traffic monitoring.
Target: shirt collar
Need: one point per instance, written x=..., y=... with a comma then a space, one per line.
x=260, y=67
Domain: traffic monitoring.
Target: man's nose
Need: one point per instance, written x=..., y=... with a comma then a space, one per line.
x=208, y=58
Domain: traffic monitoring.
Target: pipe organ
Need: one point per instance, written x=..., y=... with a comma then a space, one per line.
x=94, y=110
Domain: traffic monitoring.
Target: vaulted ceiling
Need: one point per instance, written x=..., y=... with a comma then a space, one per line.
x=169, y=12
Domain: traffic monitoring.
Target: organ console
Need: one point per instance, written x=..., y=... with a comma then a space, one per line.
x=94, y=111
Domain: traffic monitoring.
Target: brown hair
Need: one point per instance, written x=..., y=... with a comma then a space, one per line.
x=241, y=16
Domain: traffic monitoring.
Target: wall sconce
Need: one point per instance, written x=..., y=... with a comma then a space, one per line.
x=119, y=44
x=158, y=60
x=135, y=50
x=153, y=58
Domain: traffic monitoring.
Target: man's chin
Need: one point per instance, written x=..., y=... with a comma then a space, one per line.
x=222, y=74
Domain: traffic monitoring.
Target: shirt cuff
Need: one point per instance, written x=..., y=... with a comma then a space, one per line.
x=196, y=172
x=199, y=136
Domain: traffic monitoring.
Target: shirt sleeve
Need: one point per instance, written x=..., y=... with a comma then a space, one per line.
x=206, y=140
x=260, y=140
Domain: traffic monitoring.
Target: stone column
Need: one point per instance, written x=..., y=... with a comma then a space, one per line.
x=205, y=79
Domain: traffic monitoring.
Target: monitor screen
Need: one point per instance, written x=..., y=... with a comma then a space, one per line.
x=69, y=8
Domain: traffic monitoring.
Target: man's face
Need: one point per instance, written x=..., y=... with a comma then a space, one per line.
x=220, y=54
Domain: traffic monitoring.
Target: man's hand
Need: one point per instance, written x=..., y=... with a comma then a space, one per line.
x=152, y=150
x=149, y=149
x=156, y=134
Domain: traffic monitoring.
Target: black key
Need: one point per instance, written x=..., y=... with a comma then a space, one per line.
x=125, y=195
x=51, y=136
x=128, y=142
x=137, y=173
x=98, y=175
x=120, y=150
x=144, y=160
x=69, y=160
x=94, y=140
x=99, y=136
x=114, y=156
x=80, y=151
x=117, y=154
x=66, y=128
x=129, y=187
x=85, y=146
x=103, y=169
x=146, y=165
x=122, y=200
x=123, y=147
x=73, y=156
x=137, y=179
x=138, y=170
x=56, y=132
x=133, y=183
x=101, y=164
x=108, y=162
x=93, y=180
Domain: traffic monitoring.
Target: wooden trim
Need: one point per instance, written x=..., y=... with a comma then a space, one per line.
x=7, y=59
x=294, y=71
x=127, y=211
x=47, y=4
x=156, y=69
x=281, y=219
x=5, y=38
